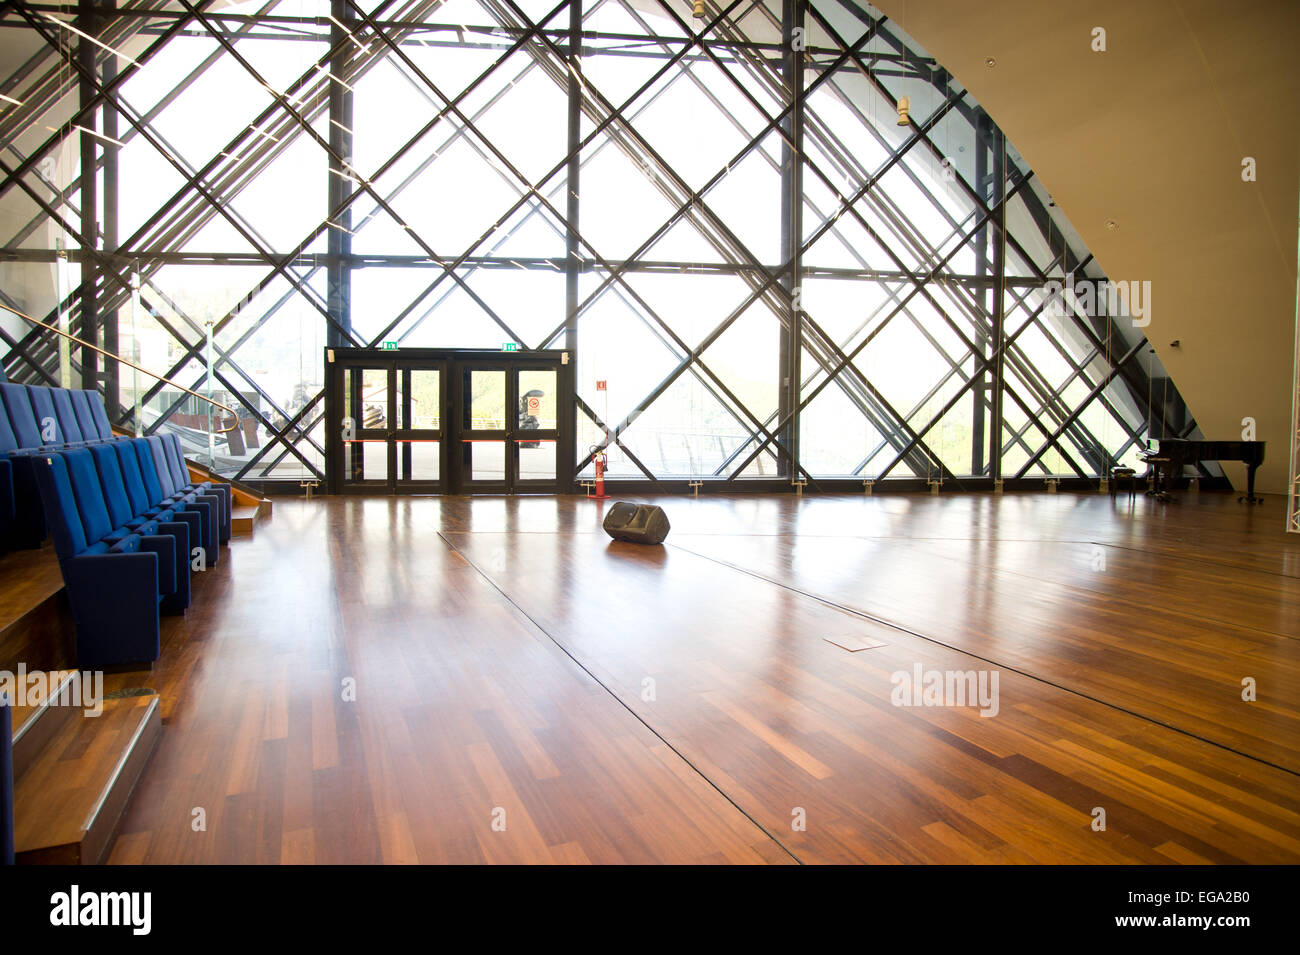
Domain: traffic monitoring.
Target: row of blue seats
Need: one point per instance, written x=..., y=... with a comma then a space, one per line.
x=125, y=520
x=37, y=419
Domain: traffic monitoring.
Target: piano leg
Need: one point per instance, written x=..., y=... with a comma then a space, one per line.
x=1164, y=481
x=1250, y=497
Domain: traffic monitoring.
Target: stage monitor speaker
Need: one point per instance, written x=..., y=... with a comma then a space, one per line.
x=638, y=523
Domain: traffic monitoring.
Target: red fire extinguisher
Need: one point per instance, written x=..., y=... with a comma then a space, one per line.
x=601, y=459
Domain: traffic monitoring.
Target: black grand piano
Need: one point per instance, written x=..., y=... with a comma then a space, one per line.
x=1175, y=454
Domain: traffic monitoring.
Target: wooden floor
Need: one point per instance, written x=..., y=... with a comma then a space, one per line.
x=611, y=703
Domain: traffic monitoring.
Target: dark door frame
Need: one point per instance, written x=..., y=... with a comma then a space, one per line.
x=452, y=362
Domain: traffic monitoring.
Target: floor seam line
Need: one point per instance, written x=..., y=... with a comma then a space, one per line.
x=621, y=702
x=1038, y=679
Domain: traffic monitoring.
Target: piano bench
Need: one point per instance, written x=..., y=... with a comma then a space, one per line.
x=1123, y=474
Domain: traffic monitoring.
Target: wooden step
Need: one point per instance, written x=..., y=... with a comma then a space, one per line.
x=69, y=799
x=40, y=717
x=244, y=517
x=36, y=627
x=247, y=508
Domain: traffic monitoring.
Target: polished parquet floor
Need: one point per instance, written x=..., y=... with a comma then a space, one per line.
x=526, y=690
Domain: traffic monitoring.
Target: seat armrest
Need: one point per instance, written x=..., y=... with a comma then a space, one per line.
x=114, y=599
x=164, y=545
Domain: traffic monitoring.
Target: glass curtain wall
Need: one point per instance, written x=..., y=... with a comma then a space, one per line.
x=763, y=270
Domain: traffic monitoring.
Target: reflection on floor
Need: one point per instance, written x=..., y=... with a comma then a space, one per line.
x=493, y=680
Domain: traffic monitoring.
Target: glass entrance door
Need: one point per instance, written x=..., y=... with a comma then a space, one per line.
x=417, y=437
x=536, y=440
x=483, y=431
x=509, y=425
x=366, y=425
x=460, y=422
x=391, y=431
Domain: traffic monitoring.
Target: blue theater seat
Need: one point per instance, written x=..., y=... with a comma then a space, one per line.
x=8, y=444
x=174, y=492
x=49, y=427
x=28, y=527
x=36, y=419
x=181, y=479
x=17, y=402
x=126, y=519
x=112, y=586
x=66, y=413
x=85, y=418
x=97, y=520
x=161, y=493
x=139, y=499
x=99, y=414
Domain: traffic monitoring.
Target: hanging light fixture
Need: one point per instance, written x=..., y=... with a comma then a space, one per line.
x=904, y=104
x=698, y=11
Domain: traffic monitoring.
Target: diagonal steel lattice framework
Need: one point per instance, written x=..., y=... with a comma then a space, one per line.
x=949, y=254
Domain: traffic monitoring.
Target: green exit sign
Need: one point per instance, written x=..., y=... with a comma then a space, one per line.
x=510, y=346
x=390, y=346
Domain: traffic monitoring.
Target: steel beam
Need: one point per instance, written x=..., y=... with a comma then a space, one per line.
x=792, y=198
x=339, y=239
x=88, y=22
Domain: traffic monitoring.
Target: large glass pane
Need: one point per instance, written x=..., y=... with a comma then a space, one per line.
x=537, y=400
x=418, y=461
x=485, y=400
x=373, y=399
x=486, y=460
x=536, y=460
x=421, y=408
x=366, y=460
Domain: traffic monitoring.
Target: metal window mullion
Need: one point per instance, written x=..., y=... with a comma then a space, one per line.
x=265, y=423
x=281, y=442
x=685, y=207
x=148, y=117
x=80, y=116
x=282, y=102
x=376, y=209
x=225, y=182
x=191, y=350
x=847, y=360
x=659, y=320
x=983, y=363
x=195, y=181
x=767, y=284
x=1094, y=392
x=604, y=426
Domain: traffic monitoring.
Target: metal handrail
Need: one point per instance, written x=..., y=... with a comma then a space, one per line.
x=127, y=361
